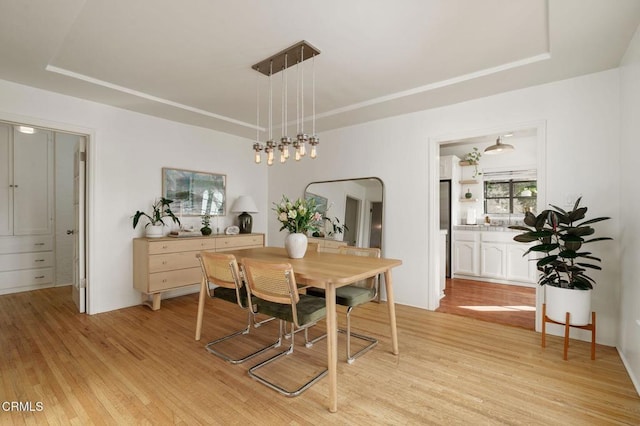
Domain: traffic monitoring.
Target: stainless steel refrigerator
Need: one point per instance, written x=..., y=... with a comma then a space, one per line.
x=445, y=218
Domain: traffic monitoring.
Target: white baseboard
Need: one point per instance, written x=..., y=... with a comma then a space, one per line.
x=635, y=380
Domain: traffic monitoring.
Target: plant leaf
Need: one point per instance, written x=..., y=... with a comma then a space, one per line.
x=597, y=219
x=545, y=247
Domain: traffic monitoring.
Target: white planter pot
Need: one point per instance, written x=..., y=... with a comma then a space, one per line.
x=559, y=301
x=295, y=245
x=154, y=231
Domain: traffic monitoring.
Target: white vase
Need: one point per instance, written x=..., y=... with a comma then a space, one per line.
x=559, y=301
x=154, y=231
x=295, y=245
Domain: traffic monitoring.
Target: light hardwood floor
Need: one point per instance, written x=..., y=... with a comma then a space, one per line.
x=135, y=366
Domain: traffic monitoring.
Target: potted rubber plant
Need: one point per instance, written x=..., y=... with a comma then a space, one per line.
x=160, y=210
x=563, y=262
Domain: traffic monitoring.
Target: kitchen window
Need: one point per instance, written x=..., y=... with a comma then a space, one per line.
x=510, y=196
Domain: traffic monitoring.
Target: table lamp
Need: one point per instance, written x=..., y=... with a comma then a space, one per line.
x=245, y=205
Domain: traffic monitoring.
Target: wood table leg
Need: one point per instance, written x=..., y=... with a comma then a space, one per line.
x=332, y=346
x=201, y=300
x=392, y=312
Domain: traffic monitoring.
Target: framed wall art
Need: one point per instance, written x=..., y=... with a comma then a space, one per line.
x=195, y=193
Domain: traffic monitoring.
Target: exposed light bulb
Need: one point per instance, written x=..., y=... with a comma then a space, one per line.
x=313, y=152
x=270, y=161
x=258, y=158
x=298, y=155
x=303, y=150
x=286, y=152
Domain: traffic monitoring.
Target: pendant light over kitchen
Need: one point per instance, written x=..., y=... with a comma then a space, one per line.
x=294, y=55
x=498, y=148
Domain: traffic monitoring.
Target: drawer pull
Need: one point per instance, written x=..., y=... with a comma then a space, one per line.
x=164, y=262
x=39, y=260
x=39, y=277
x=164, y=281
x=39, y=244
x=164, y=247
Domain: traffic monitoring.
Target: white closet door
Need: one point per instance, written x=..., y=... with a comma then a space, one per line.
x=6, y=181
x=33, y=182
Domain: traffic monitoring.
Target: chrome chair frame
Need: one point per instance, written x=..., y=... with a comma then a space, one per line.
x=238, y=285
x=372, y=341
x=294, y=298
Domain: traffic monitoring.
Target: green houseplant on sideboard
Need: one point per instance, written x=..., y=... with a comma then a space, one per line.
x=561, y=236
x=160, y=209
x=206, y=221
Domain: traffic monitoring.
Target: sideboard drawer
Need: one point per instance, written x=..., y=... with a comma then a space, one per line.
x=185, y=244
x=171, y=261
x=239, y=241
x=172, y=279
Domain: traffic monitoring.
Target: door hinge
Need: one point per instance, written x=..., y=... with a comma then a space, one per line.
x=83, y=156
x=83, y=283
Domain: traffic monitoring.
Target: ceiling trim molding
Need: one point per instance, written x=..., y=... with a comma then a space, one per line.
x=147, y=96
x=438, y=84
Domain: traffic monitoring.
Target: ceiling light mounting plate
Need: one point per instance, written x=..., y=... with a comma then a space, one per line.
x=294, y=54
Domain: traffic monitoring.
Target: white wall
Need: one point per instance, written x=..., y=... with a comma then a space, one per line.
x=582, y=115
x=629, y=340
x=127, y=151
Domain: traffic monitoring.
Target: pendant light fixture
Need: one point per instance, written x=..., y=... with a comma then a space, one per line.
x=499, y=147
x=294, y=55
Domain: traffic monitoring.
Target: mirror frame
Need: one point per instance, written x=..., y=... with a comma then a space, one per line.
x=369, y=178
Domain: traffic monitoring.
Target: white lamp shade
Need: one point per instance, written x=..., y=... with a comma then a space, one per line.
x=244, y=203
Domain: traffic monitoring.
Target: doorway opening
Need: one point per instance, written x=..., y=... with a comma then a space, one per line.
x=482, y=275
x=43, y=220
x=351, y=217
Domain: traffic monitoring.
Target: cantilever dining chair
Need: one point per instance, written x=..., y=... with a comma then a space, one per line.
x=274, y=287
x=221, y=271
x=351, y=296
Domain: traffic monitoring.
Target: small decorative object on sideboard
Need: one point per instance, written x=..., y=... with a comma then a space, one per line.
x=206, y=230
x=232, y=230
x=568, y=289
x=468, y=195
x=160, y=209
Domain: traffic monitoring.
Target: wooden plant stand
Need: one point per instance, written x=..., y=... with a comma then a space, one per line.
x=567, y=326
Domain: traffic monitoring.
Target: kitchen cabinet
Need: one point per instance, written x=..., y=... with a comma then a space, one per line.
x=26, y=209
x=492, y=256
x=492, y=260
x=448, y=167
x=466, y=253
x=163, y=264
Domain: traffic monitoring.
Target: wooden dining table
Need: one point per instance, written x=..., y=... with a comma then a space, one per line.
x=328, y=271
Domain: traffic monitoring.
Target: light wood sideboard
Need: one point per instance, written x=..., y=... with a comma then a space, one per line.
x=327, y=245
x=163, y=264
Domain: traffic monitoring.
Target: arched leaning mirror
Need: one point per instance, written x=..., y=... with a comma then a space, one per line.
x=352, y=210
